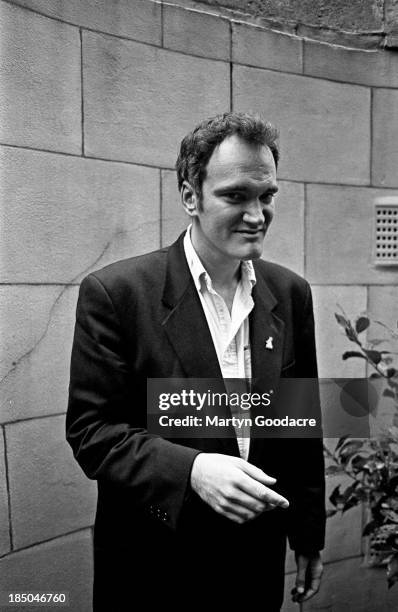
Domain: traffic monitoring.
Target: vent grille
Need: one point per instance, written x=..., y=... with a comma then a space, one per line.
x=386, y=231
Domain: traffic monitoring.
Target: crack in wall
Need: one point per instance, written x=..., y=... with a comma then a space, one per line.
x=24, y=356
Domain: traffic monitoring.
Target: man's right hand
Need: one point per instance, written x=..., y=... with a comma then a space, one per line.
x=233, y=487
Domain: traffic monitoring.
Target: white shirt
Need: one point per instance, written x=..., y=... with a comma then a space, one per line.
x=229, y=331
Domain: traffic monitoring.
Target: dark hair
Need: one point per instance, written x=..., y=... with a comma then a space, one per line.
x=197, y=146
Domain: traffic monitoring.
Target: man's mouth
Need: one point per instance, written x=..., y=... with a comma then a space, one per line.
x=251, y=232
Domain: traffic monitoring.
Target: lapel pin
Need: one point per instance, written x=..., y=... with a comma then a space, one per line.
x=269, y=344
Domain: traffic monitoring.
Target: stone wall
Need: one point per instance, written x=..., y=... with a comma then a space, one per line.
x=95, y=98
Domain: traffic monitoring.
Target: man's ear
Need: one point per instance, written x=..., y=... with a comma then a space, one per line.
x=189, y=199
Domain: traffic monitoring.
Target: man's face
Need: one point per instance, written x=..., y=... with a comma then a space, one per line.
x=237, y=205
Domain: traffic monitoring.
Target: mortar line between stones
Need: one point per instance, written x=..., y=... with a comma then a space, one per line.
x=34, y=418
x=47, y=541
x=371, y=137
x=231, y=87
x=231, y=70
x=8, y=489
x=39, y=284
x=161, y=24
x=305, y=231
x=384, y=18
x=82, y=89
x=160, y=208
x=367, y=307
x=142, y=165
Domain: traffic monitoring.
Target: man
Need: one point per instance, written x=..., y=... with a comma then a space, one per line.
x=213, y=512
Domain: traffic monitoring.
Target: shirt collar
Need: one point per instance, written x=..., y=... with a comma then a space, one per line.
x=199, y=272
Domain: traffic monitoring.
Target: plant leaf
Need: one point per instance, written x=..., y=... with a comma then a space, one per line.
x=351, y=333
x=340, y=442
x=349, y=448
x=341, y=320
x=370, y=528
x=374, y=356
x=336, y=497
x=330, y=512
x=361, y=324
x=350, y=503
x=358, y=463
x=388, y=393
x=349, y=354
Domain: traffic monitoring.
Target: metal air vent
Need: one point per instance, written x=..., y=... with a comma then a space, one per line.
x=386, y=231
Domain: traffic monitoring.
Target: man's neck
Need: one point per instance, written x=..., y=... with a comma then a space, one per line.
x=224, y=273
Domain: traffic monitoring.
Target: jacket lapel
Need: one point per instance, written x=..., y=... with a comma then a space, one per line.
x=185, y=322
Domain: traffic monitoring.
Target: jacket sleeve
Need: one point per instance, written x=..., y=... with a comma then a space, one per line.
x=101, y=428
x=307, y=516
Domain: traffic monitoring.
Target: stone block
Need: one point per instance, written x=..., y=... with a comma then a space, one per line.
x=49, y=493
x=63, y=565
x=330, y=337
x=325, y=127
x=139, y=20
x=4, y=522
x=174, y=218
x=339, y=236
x=36, y=326
x=347, y=584
x=89, y=214
x=256, y=46
x=40, y=96
x=196, y=33
x=281, y=245
x=374, y=68
x=385, y=137
x=140, y=101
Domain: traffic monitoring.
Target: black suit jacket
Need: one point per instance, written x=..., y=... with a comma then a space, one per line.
x=141, y=318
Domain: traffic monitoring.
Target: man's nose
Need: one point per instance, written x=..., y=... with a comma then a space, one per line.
x=255, y=213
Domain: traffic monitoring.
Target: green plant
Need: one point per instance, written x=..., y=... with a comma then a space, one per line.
x=371, y=464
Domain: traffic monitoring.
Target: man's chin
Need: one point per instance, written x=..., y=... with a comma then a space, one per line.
x=252, y=253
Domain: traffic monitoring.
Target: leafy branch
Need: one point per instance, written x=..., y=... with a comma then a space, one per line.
x=371, y=464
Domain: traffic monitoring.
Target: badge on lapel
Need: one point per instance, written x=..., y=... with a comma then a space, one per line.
x=269, y=343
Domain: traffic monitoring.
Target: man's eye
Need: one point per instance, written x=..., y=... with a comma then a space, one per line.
x=234, y=196
x=267, y=198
